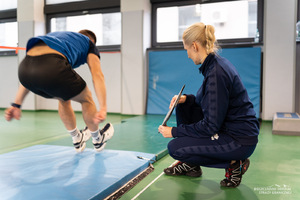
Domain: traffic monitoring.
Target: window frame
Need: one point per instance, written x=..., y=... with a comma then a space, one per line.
x=223, y=43
x=82, y=8
x=9, y=15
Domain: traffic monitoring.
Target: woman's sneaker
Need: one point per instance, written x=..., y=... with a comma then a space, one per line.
x=234, y=173
x=181, y=168
x=105, y=134
x=85, y=135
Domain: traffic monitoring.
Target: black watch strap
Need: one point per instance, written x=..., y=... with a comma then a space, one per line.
x=15, y=105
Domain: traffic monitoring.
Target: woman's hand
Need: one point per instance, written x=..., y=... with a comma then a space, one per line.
x=181, y=100
x=165, y=131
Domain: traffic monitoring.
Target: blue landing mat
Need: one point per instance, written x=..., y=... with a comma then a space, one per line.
x=58, y=172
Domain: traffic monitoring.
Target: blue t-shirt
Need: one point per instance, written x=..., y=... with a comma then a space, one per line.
x=74, y=46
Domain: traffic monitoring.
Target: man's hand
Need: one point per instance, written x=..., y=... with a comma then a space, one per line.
x=12, y=112
x=100, y=116
x=165, y=131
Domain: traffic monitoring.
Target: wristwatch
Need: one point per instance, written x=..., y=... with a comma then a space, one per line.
x=15, y=105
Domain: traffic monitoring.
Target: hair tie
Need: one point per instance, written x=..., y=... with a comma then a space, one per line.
x=205, y=27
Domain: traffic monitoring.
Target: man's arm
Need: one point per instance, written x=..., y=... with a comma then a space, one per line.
x=99, y=84
x=14, y=112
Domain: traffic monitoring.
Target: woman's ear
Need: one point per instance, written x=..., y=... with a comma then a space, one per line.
x=195, y=46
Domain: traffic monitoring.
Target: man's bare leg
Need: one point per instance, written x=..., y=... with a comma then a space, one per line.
x=89, y=109
x=67, y=114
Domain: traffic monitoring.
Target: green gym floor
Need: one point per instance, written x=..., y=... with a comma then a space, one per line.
x=274, y=171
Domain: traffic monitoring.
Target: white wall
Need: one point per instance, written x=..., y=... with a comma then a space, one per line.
x=28, y=14
x=279, y=57
x=135, y=41
x=9, y=80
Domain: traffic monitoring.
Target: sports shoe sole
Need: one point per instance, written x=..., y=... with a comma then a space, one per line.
x=190, y=173
x=102, y=146
x=171, y=171
x=79, y=150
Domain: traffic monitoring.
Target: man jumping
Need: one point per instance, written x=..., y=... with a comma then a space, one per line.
x=48, y=71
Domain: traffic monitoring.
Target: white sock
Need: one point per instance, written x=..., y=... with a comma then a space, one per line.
x=75, y=133
x=96, y=135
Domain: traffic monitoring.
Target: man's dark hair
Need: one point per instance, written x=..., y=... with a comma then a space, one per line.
x=89, y=34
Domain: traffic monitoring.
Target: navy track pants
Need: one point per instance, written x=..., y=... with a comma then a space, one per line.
x=216, y=152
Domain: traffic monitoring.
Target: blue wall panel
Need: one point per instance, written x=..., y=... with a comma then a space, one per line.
x=169, y=70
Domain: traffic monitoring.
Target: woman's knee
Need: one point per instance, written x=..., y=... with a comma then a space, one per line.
x=173, y=150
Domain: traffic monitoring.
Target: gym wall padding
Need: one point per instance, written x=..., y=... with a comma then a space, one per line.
x=170, y=70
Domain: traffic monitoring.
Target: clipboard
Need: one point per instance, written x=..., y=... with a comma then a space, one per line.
x=172, y=108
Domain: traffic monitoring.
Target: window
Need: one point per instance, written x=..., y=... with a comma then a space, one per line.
x=8, y=34
x=8, y=26
x=234, y=21
x=49, y=2
x=107, y=27
x=7, y=5
x=102, y=17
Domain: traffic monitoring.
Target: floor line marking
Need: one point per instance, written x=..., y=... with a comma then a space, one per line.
x=138, y=194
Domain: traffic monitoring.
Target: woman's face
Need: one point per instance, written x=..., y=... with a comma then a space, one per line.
x=192, y=53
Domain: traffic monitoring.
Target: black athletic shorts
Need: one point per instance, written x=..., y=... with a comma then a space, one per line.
x=50, y=76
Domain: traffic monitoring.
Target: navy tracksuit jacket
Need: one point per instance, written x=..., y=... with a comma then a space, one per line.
x=225, y=104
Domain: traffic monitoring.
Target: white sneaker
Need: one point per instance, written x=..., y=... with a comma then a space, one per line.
x=106, y=133
x=85, y=135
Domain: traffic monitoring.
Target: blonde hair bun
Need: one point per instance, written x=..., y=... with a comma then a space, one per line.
x=203, y=34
